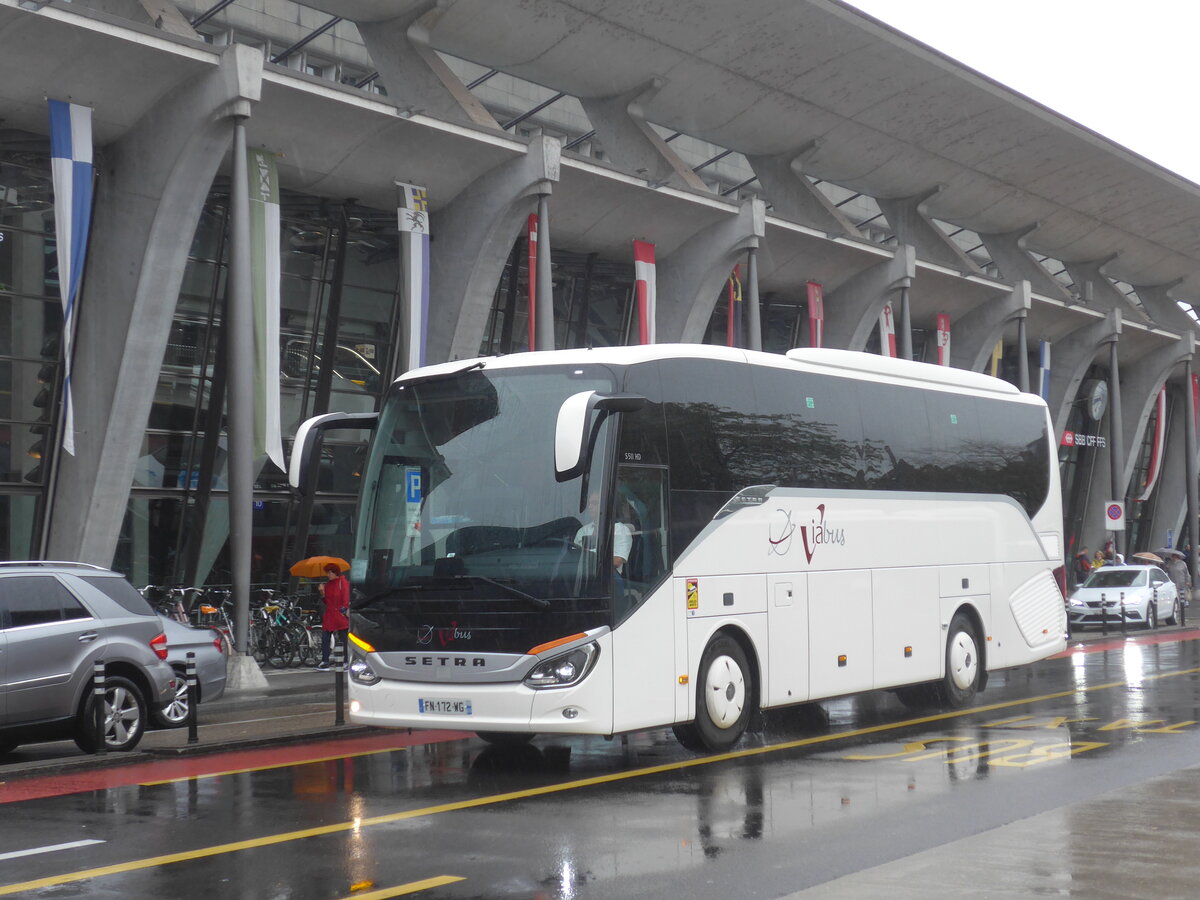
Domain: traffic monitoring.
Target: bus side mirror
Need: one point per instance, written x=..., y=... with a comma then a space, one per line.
x=308, y=441
x=574, y=428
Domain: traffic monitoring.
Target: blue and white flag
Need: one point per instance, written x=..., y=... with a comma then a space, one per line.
x=1044, y=370
x=71, y=168
x=413, y=212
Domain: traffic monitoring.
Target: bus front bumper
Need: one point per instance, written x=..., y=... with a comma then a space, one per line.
x=581, y=709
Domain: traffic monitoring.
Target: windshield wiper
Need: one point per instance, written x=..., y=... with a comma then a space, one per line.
x=512, y=591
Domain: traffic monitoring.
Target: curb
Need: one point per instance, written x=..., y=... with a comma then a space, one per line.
x=301, y=737
x=114, y=760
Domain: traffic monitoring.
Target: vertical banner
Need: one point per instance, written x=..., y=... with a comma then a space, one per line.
x=733, y=330
x=645, y=277
x=887, y=331
x=71, y=171
x=413, y=213
x=1160, y=421
x=1044, y=370
x=943, y=339
x=263, y=187
x=997, y=353
x=816, y=315
x=531, y=251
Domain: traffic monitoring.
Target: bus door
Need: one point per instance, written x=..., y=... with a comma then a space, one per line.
x=644, y=670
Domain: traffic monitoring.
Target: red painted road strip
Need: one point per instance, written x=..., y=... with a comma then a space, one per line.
x=1118, y=642
x=215, y=764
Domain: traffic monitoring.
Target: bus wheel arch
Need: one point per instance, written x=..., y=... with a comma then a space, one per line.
x=965, y=672
x=727, y=681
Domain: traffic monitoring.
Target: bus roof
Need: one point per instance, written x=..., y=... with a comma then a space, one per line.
x=833, y=362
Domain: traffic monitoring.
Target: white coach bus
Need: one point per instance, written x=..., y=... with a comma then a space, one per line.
x=601, y=541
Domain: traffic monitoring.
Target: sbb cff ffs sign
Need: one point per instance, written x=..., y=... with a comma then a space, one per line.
x=1114, y=515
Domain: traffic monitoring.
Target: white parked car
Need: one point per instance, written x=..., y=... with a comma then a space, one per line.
x=1143, y=594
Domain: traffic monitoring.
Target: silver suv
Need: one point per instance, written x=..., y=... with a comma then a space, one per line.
x=56, y=620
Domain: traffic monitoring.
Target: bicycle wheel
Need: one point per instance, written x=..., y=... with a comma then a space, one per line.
x=281, y=648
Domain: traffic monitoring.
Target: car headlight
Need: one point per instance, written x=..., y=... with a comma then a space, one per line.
x=361, y=671
x=1075, y=601
x=564, y=670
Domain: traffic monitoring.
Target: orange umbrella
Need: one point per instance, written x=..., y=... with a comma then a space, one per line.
x=314, y=566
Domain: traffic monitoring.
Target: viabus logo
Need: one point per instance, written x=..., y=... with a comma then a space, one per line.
x=819, y=532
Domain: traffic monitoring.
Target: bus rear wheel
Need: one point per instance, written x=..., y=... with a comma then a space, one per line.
x=724, y=698
x=964, y=665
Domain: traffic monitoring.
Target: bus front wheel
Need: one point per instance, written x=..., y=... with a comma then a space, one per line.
x=724, y=698
x=964, y=666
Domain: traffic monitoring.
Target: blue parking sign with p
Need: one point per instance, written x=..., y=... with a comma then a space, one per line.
x=412, y=486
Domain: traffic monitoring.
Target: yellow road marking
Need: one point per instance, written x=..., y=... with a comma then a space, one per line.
x=399, y=890
x=562, y=787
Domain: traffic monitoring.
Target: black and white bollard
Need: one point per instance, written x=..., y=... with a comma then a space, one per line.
x=339, y=685
x=1122, y=612
x=193, y=695
x=99, y=720
x=1103, y=614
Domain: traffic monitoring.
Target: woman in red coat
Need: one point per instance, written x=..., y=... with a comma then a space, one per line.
x=334, y=621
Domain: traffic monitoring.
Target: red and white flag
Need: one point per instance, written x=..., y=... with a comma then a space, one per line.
x=644, y=274
x=887, y=332
x=816, y=315
x=531, y=245
x=943, y=338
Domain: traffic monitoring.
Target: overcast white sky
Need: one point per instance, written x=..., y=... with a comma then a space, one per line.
x=1125, y=70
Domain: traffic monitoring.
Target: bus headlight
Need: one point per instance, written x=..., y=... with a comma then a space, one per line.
x=564, y=670
x=362, y=672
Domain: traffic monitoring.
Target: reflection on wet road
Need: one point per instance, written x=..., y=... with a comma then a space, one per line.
x=818, y=793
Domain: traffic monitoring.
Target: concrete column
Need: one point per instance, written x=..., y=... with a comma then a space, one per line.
x=912, y=224
x=1116, y=428
x=474, y=236
x=545, y=284
x=1022, y=355
x=416, y=77
x=1073, y=355
x=753, y=312
x=1141, y=381
x=1015, y=263
x=793, y=196
x=154, y=184
x=1193, y=476
x=690, y=277
x=632, y=144
x=906, y=347
x=852, y=308
x=240, y=401
x=976, y=332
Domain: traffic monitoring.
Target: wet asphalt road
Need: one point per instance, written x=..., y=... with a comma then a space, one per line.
x=1061, y=767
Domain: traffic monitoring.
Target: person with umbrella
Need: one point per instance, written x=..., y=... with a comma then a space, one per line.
x=335, y=623
x=1177, y=569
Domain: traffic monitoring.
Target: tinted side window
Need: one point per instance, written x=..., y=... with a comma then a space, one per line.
x=643, y=435
x=895, y=436
x=709, y=437
x=957, y=460
x=1017, y=433
x=37, y=600
x=807, y=430
x=120, y=591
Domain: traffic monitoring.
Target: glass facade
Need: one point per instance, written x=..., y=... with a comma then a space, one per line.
x=30, y=330
x=340, y=272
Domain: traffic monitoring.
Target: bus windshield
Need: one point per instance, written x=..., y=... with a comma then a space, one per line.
x=461, y=510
